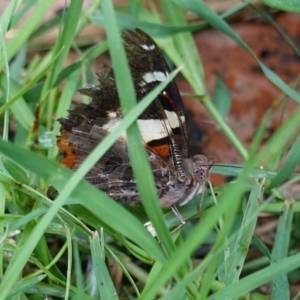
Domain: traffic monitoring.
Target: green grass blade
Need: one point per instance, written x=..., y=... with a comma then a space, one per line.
x=286, y=5
x=203, y=10
x=7, y=15
x=3, y=228
x=253, y=281
x=23, y=33
x=17, y=104
x=22, y=11
x=27, y=87
x=105, y=285
x=78, y=272
x=281, y=138
x=24, y=285
x=185, y=47
x=221, y=96
x=289, y=165
x=15, y=171
x=141, y=166
x=280, y=286
x=238, y=253
x=65, y=39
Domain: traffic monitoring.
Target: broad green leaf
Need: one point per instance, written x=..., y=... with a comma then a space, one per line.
x=286, y=5
x=105, y=285
x=221, y=96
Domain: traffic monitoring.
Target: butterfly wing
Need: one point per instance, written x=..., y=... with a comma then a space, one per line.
x=162, y=127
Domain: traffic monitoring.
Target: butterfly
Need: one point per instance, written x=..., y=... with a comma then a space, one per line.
x=178, y=175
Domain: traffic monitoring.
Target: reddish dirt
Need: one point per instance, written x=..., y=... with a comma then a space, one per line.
x=252, y=93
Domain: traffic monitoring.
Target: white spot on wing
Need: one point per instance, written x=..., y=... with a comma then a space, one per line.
x=150, y=129
x=148, y=47
x=173, y=119
x=112, y=114
x=154, y=76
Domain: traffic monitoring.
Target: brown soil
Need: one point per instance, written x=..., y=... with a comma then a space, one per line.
x=252, y=93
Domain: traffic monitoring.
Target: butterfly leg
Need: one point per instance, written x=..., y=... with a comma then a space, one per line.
x=151, y=229
x=177, y=214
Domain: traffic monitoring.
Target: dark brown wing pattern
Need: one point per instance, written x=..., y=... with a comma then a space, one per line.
x=178, y=176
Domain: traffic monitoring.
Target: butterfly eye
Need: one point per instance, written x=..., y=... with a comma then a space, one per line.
x=202, y=167
x=202, y=174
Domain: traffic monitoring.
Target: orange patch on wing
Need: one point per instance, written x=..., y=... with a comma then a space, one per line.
x=162, y=150
x=68, y=157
